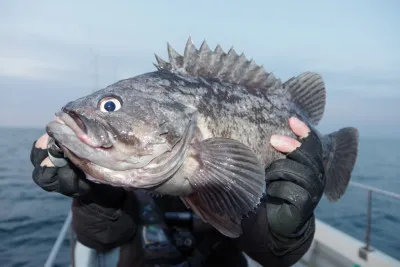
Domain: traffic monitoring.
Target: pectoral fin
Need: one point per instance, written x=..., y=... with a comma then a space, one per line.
x=228, y=184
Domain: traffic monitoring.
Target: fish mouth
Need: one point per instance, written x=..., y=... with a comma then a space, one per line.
x=156, y=172
x=109, y=166
x=77, y=120
x=80, y=126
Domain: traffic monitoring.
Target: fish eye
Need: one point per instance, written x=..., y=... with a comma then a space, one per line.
x=109, y=104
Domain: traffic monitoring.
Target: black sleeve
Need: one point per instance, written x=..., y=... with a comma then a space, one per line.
x=269, y=248
x=102, y=214
x=104, y=225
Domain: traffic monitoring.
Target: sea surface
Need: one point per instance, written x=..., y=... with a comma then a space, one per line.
x=30, y=218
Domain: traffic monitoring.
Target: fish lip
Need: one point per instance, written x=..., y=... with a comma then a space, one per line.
x=72, y=120
x=77, y=119
x=151, y=176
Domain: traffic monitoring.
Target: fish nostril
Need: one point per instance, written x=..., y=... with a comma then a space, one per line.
x=77, y=118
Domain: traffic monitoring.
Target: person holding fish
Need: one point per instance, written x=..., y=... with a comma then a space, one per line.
x=208, y=131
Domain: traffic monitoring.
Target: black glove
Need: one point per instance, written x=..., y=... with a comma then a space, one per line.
x=71, y=181
x=295, y=186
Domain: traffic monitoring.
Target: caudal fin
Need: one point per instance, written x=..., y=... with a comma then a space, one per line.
x=340, y=162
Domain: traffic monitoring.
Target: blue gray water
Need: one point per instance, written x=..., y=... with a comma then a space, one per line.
x=31, y=218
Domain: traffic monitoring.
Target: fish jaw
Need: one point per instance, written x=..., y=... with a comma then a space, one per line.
x=154, y=173
x=73, y=139
x=91, y=140
x=91, y=133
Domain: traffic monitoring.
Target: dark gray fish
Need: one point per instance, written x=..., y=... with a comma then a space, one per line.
x=199, y=128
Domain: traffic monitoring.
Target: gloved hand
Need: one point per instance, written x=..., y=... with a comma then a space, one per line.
x=295, y=184
x=69, y=180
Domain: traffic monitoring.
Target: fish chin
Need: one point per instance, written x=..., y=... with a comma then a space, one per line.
x=102, y=166
x=118, y=157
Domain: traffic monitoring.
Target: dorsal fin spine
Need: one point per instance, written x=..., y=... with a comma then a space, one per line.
x=217, y=65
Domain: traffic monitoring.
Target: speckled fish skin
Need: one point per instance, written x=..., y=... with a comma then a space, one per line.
x=199, y=128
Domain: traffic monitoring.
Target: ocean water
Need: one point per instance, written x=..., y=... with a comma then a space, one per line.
x=30, y=218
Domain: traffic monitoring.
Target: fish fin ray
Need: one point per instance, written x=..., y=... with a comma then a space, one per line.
x=229, y=183
x=175, y=59
x=204, y=61
x=161, y=63
x=340, y=162
x=220, y=66
x=307, y=91
x=190, y=57
x=230, y=227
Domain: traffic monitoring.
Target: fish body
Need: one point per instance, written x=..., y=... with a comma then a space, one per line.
x=199, y=128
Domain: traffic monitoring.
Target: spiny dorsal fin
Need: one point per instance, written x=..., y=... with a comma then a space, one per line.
x=308, y=93
x=218, y=65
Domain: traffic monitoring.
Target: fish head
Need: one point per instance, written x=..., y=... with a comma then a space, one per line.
x=125, y=137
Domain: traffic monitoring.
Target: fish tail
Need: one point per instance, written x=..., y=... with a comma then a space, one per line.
x=340, y=162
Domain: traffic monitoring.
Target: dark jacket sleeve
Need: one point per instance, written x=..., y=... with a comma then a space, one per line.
x=102, y=224
x=269, y=248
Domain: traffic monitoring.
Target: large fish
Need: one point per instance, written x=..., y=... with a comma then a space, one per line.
x=199, y=128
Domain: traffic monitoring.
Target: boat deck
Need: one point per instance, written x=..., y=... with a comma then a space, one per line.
x=330, y=247
x=255, y=264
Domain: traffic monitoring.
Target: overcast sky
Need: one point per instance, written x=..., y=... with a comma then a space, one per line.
x=48, y=50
